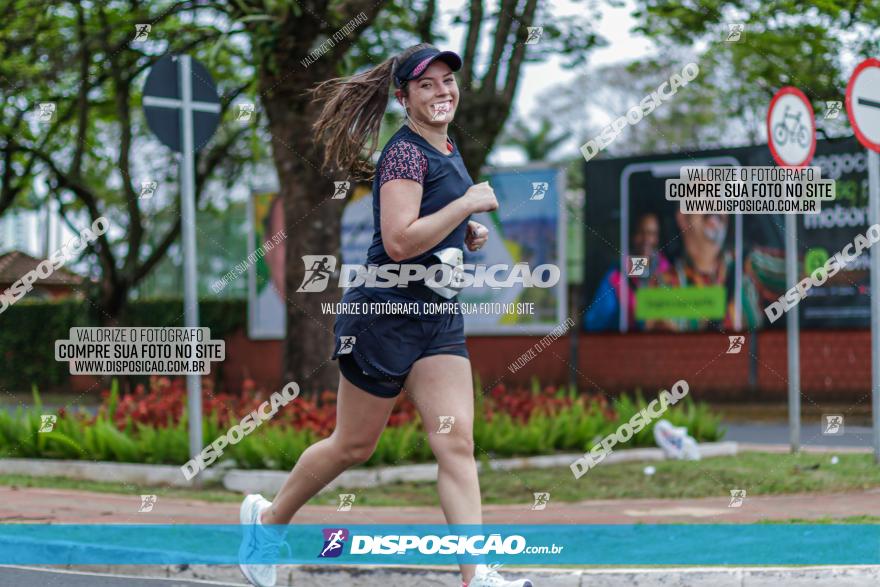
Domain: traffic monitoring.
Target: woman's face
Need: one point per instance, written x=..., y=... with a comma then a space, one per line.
x=433, y=97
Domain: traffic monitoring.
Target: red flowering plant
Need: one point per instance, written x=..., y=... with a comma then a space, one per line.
x=162, y=402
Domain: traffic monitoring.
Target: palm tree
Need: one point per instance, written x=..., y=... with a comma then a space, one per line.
x=536, y=145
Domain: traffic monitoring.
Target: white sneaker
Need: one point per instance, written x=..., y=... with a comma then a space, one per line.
x=487, y=576
x=258, y=543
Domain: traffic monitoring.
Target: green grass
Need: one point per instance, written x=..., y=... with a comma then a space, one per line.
x=213, y=493
x=847, y=520
x=757, y=473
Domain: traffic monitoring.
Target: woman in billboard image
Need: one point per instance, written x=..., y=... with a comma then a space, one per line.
x=423, y=198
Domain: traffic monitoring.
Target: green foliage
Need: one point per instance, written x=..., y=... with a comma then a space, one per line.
x=29, y=352
x=571, y=429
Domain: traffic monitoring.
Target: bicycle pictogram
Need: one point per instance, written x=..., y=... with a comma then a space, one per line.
x=791, y=128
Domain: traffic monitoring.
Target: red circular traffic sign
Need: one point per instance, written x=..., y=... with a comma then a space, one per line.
x=791, y=128
x=863, y=103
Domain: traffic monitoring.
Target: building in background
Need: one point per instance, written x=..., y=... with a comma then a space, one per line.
x=62, y=283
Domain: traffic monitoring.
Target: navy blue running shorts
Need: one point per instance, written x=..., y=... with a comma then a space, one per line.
x=377, y=346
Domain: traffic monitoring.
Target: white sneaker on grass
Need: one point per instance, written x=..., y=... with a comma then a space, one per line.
x=258, y=543
x=487, y=576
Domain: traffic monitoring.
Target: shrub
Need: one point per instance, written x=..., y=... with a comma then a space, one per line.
x=150, y=426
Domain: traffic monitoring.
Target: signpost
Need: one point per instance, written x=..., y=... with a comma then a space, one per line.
x=863, y=109
x=182, y=108
x=791, y=135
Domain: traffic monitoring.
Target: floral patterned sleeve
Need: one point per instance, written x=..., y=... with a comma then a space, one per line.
x=403, y=160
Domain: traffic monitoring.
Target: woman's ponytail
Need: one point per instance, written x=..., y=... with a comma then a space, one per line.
x=352, y=115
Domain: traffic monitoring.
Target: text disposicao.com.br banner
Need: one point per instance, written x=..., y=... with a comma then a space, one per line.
x=416, y=544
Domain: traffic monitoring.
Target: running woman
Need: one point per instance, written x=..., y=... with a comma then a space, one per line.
x=423, y=198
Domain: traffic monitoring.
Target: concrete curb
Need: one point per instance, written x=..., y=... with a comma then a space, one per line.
x=375, y=576
x=105, y=471
x=251, y=481
x=265, y=481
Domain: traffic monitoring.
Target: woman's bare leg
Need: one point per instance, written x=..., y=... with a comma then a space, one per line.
x=441, y=386
x=360, y=420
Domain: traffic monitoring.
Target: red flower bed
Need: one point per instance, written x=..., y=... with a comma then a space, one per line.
x=164, y=399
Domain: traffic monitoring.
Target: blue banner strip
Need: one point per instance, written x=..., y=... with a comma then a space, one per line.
x=417, y=544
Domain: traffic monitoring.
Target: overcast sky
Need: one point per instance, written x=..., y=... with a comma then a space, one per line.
x=615, y=27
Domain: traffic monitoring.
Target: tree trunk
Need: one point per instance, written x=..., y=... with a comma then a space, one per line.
x=475, y=130
x=312, y=219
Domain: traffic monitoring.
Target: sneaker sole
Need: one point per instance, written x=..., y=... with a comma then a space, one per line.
x=246, y=506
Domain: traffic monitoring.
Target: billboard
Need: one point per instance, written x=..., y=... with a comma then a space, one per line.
x=528, y=227
x=714, y=271
x=266, y=313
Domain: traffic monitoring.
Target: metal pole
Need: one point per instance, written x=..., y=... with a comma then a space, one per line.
x=874, y=218
x=793, y=338
x=188, y=209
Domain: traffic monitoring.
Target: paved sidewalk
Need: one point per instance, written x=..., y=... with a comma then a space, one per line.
x=61, y=506
x=54, y=506
x=373, y=576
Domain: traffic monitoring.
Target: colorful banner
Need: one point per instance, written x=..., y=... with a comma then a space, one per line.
x=740, y=257
x=424, y=544
x=266, y=310
x=528, y=227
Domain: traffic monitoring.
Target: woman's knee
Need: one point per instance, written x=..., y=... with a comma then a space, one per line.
x=456, y=445
x=355, y=451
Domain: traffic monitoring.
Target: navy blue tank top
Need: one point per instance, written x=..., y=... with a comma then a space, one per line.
x=444, y=179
